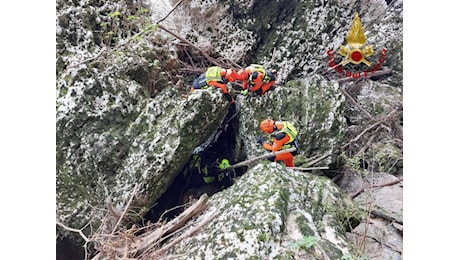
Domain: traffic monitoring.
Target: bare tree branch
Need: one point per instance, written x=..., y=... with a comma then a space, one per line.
x=79, y=231
x=137, y=246
x=188, y=234
x=174, y=224
x=378, y=241
x=251, y=161
x=368, y=144
x=356, y=104
x=309, y=168
x=212, y=60
x=170, y=12
x=361, y=134
x=370, y=127
x=386, y=216
x=318, y=159
x=126, y=209
x=354, y=195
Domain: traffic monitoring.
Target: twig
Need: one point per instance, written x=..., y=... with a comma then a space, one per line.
x=361, y=134
x=73, y=230
x=148, y=241
x=212, y=60
x=172, y=10
x=232, y=62
x=318, y=159
x=368, y=144
x=354, y=195
x=370, y=127
x=309, y=168
x=111, y=209
x=313, y=158
x=356, y=104
x=380, y=242
x=386, y=216
x=125, y=210
x=89, y=59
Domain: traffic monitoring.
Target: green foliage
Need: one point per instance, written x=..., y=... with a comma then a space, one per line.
x=143, y=10
x=355, y=165
x=115, y=14
x=305, y=243
x=133, y=17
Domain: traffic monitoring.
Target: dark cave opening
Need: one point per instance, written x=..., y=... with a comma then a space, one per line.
x=190, y=182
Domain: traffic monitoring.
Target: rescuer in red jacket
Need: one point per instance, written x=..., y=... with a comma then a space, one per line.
x=283, y=136
x=257, y=79
x=217, y=77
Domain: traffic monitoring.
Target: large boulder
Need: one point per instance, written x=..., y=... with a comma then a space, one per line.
x=121, y=120
x=314, y=105
x=293, y=36
x=136, y=140
x=273, y=212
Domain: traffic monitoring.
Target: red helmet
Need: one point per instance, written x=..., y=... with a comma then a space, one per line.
x=267, y=126
x=231, y=75
x=242, y=75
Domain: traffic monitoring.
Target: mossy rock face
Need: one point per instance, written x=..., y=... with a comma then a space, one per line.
x=294, y=36
x=101, y=154
x=266, y=212
x=113, y=128
x=314, y=105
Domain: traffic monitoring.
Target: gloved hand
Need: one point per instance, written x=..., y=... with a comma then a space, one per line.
x=244, y=92
x=260, y=140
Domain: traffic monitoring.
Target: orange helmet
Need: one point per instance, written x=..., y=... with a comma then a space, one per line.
x=267, y=126
x=231, y=75
x=242, y=75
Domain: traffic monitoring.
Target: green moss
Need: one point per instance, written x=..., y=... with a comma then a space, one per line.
x=228, y=255
x=240, y=235
x=263, y=237
x=302, y=224
x=281, y=204
x=330, y=249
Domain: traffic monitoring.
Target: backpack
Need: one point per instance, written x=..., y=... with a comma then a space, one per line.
x=293, y=130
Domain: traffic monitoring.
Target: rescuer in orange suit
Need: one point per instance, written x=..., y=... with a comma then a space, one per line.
x=257, y=79
x=283, y=136
x=217, y=77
